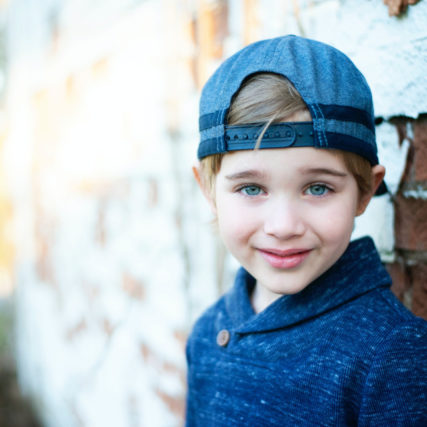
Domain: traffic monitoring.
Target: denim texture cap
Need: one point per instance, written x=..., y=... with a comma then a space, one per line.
x=334, y=90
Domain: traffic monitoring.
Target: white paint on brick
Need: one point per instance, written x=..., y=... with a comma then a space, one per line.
x=391, y=154
x=378, y=222
x=419, y=193
x=89, y=352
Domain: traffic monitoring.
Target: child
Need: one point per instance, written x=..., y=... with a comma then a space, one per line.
x=310, y=333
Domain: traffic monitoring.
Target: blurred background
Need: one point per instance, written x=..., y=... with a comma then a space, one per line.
x=106, y=252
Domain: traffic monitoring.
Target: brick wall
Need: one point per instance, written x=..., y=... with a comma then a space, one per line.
x=114, y=257
x=409, y=271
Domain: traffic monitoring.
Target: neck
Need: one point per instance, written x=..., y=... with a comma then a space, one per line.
x=260, y=299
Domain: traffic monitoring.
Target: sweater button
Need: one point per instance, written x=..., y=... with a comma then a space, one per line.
x=223, y=338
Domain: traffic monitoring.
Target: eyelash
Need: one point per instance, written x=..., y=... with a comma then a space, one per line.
x=246, y=186
x=327, y=189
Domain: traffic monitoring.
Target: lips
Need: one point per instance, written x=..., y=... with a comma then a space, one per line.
x=284, y=259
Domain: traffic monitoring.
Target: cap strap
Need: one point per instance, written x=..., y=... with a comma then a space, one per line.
x=277, y=135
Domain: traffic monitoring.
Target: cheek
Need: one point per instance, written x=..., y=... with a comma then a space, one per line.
x=336, y=223
x=235, y=224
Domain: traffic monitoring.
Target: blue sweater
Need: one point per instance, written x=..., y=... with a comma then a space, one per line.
x=342, y=352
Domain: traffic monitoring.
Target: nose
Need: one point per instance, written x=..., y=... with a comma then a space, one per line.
x=284, y=219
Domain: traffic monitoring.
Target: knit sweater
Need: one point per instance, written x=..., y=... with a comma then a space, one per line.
x=342, y=352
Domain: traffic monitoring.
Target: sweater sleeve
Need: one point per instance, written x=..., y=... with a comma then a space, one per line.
x=395, y=391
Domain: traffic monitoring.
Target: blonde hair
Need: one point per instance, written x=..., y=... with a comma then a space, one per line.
x=270, y=98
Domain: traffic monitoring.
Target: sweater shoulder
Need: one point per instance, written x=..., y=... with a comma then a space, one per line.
x=386, y=313
x=395, y=390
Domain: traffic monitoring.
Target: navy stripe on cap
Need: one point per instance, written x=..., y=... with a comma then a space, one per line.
x=335, y=112
x=208, y=147
x=212, y=119
x=347, y=114
x=354, y=145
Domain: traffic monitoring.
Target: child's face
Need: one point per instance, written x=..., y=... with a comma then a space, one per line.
x=285, y=214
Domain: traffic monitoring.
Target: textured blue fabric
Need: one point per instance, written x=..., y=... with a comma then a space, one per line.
x=342, y=352
x=336, y=93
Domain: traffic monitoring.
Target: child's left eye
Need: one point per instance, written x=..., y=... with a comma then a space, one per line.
x=251, y=190
x=317, y=190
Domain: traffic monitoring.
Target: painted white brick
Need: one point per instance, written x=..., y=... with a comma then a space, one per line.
x=90, y=352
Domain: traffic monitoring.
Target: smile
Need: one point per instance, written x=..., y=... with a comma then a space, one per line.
x=285, y=259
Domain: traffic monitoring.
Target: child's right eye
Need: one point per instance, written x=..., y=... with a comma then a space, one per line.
x=251, y=190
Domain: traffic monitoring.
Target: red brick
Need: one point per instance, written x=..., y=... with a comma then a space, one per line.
x=400, y=124
x=419, y=289
x=400, y=280
x=415, y=170
x=410, y=223
x=420, y=149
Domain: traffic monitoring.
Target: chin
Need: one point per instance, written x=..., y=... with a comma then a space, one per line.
x=286, y=286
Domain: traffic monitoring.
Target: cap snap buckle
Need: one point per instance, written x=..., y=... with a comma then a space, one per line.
x=277, y=135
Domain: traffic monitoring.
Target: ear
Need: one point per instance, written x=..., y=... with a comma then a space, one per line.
x=377, y=175
x=206, y=190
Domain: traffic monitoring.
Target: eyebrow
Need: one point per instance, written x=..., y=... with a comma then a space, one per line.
x=254, y=174
x=246, y=174
x=324, y=171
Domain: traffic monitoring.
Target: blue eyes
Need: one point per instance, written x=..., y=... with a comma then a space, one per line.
x=316, y=190
x=251, y=190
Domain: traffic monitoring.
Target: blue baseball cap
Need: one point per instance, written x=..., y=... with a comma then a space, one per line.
x=334, y=90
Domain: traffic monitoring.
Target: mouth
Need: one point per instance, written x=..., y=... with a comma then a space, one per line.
x=285, y=259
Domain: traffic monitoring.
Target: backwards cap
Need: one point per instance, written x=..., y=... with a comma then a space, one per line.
x=336, y=93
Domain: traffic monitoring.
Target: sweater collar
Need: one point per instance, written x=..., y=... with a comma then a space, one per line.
x=358, y=271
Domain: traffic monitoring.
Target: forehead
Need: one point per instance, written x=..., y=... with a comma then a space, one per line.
x=283, y=161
